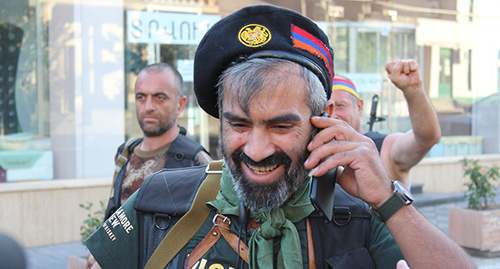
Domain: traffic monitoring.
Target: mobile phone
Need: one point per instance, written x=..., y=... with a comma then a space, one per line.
x=322, y=193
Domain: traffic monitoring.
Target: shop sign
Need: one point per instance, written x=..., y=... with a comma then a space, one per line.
x=366, y=82
x=167, y=28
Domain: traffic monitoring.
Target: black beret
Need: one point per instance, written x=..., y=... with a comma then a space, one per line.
x=259, y=32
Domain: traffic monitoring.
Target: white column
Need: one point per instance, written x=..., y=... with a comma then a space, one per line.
x=86, y=63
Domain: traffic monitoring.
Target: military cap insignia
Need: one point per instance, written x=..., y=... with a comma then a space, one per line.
x=254, y=35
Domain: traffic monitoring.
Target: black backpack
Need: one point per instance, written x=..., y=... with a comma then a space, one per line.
x=171, y=211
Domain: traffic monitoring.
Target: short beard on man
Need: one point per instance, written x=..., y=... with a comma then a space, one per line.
x=266, y=196
x=158, y=130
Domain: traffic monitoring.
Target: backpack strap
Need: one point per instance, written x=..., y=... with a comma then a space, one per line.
x=221, y=227
x=310, y=245
x=121, y=160
x=189, y=224
x=182, y=152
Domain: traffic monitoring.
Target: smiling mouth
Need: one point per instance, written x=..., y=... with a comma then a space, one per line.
x=261, y=170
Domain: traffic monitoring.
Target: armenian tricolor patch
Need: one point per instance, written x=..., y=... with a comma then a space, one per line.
x=345, y=85
x=306, y=41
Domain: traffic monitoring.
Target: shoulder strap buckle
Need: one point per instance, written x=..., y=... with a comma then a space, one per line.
x=214, y=167
x=224, y=223
x=221, y=227
x=120, y=162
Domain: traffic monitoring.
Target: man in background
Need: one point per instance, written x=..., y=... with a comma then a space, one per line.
x=159, y=100
x=399, y=151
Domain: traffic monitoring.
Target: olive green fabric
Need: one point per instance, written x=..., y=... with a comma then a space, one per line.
x=277, y=222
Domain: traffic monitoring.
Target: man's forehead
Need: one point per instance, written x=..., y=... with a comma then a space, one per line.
x=287, y=91
x=162, y=84
x=164, y=74
x=340, y=95
x=279, y=81
x=264, y=111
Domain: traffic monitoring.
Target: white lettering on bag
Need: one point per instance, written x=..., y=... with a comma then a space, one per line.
x=109, y=232
x=120, y=218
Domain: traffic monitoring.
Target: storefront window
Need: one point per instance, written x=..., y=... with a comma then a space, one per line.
x=361, y=52
x=24, y=103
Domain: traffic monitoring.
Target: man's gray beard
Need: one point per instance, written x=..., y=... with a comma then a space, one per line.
x=266, y=196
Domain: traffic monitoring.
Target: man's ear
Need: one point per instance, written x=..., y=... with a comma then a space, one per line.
x=329, y=107
x=360, y=104
x=181, y=104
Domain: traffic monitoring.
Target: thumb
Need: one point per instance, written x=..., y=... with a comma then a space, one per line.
x=402, y=265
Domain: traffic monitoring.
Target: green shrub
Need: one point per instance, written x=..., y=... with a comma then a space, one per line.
x=479, y=182
x=93, y=221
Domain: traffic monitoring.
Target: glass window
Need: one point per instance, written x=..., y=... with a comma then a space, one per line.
x=361, y=52
x=24, y=97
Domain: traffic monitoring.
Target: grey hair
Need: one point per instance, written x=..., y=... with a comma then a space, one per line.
x=163, y=67
x=247, y=79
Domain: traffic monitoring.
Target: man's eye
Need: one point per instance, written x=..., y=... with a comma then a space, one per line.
x=238, y=125
x=282, y=127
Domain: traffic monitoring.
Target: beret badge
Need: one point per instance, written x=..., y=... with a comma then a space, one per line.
x=254, y=35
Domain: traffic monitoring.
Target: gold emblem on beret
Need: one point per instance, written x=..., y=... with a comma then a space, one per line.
x=254, y=35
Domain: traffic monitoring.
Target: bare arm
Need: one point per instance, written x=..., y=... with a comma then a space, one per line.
x=361, y=174
x=401, y=151
x=423, y=244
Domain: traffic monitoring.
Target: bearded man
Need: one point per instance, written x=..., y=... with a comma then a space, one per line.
x=268, y=99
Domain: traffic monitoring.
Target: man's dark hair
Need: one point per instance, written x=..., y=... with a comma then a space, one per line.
x=161, y=67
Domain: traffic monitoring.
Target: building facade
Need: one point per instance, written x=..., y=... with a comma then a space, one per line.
x=67, y=71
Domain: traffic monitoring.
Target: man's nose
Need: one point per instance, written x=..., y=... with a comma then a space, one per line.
x=149, y=103
x=259, y=145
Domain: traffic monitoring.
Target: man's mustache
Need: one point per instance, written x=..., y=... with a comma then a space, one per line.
x=148, y=114
x=276, y=159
